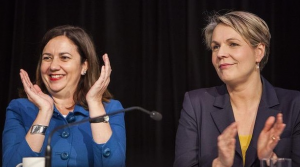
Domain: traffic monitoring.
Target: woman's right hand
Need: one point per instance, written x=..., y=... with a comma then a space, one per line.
x=34, y=93
x=226, y=147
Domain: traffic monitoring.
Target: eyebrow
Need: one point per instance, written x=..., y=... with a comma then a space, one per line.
x=229, y=39
x=214, y=42
x=48, y=54
x=61, y=53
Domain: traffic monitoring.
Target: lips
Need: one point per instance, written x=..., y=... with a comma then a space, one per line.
x=55, y=77
x=225, y=65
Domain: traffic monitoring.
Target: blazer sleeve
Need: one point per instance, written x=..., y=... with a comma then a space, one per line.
x=113, y=152
x=14, y=145
x=296, y=142
x=289, y=144
x=186, y=145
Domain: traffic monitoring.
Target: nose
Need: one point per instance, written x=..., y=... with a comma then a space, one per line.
x=55, y=64
x=222, y=52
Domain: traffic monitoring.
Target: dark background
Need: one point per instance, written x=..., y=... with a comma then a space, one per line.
x=156, y=50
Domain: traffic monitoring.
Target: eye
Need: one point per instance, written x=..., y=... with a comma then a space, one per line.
x=215, y=47
x=233, y=44
x=64, y=57
x=47, y=58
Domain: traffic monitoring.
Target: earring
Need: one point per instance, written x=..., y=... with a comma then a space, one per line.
x=257, y=65
x=84, y=72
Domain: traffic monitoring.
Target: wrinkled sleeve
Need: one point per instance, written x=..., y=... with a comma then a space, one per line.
x=186, y=145
x=14, y=145
x=113, y=152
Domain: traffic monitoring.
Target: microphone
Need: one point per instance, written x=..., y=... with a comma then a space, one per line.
x=153, y=114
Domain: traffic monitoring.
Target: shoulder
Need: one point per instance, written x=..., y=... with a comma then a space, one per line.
x=205, y=93
x=113, y=105
x=287, y=94
x=23, y=108
x=283, y=98
x=204, y=97
x=281, y=93
x=202, y=91
x=20, y=103
x=276, y=95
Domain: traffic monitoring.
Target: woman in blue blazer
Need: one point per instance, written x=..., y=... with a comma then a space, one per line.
x=70, y=86
x=246, y=119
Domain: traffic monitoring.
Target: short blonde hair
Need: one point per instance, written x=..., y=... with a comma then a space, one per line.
x=252, y=28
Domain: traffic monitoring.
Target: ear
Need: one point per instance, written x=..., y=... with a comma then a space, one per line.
x=260, y=52
x=84, y=67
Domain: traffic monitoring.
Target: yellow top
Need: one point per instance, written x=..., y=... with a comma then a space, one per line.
x=245, y=141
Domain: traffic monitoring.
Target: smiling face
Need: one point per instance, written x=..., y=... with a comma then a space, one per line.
x=233, y=58
x=61, y=66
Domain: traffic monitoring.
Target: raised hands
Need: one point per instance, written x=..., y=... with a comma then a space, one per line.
x=34, y=93
x=269, y=137
x=226, y=147
x=99, y=87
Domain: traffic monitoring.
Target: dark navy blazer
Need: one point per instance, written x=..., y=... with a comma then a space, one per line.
x=207, y=112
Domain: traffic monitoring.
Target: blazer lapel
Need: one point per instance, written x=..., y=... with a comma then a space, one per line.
x=268, y=100
x=223, y=115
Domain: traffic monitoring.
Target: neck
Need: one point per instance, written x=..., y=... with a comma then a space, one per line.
x=64, y=105
x=246, y=94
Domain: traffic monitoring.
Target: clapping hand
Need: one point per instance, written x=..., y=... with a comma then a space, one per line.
x=34, y=93
x=226, y=146
x=99, y=87
x=270, y=136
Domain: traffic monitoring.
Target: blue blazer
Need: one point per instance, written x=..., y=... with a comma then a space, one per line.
x=71, y=146
x=207, y=112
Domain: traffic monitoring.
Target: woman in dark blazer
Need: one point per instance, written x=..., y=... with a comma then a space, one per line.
x=234, y=124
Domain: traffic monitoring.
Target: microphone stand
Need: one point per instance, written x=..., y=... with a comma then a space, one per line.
x=154, y=115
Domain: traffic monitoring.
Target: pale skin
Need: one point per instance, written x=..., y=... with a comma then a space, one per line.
x=235, y=61
x=60, y=60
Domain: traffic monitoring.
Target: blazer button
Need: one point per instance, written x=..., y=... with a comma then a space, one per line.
x=106, y=152
x=64, y=156
x=65, y=134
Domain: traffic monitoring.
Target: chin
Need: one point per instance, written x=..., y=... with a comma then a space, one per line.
x=54, y=89
x=227, y=79
x=224, y=77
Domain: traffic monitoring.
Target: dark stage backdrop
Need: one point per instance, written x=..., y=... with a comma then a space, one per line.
x=156, y=50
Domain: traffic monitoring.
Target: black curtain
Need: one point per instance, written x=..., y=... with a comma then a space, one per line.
x=157, y=54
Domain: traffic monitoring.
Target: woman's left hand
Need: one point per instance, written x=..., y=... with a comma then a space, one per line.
x=101, y=131
x=270, y=136
x=99, y=87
